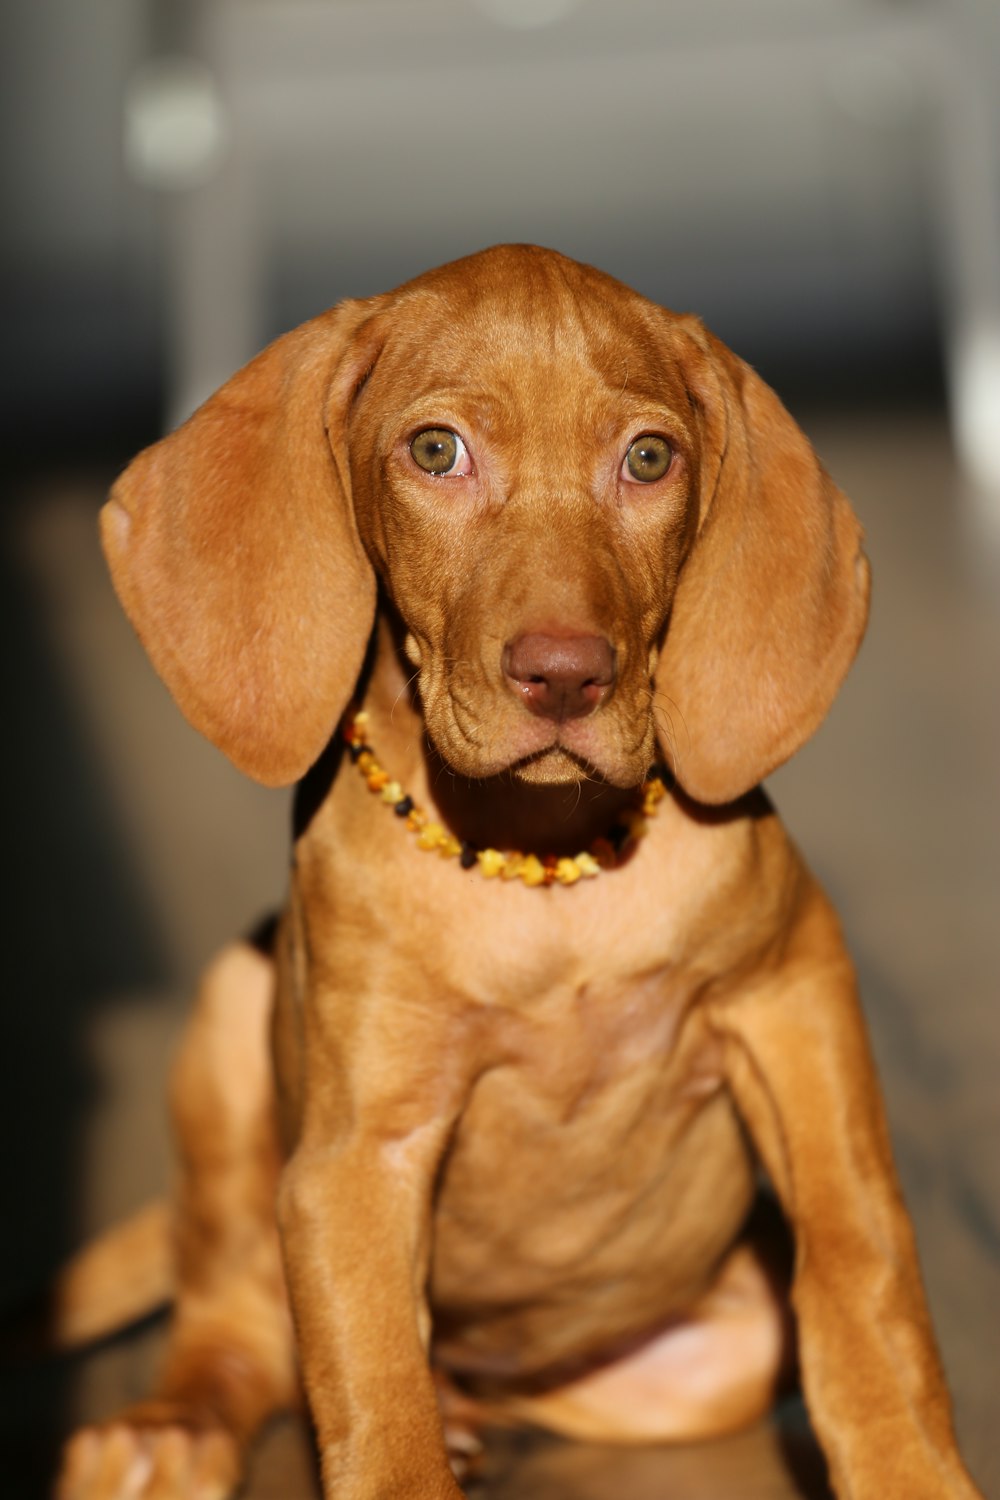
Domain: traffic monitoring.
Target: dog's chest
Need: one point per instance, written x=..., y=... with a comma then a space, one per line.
x=602, y=1155
x=594, y=1144
x=601, y=1148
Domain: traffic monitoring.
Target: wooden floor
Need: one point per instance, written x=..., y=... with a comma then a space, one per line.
x=135, y=850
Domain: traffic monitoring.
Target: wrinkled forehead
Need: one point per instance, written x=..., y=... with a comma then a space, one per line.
x=536, y=329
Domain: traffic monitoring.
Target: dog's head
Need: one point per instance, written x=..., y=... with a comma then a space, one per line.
x=598, y=527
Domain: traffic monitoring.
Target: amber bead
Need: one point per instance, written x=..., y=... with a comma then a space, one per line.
x=430, y=836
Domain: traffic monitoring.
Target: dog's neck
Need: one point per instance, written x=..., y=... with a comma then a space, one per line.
x=499, y=812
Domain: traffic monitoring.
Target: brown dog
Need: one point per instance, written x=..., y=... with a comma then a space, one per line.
x=511, y=1124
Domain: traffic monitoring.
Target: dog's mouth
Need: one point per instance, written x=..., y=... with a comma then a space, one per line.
x=554, y=766
x=523, y=749
x=535, y=764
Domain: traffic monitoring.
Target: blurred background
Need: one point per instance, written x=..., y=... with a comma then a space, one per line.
x=820, y=180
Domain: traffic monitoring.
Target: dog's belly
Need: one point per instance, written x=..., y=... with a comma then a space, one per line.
x=561, y=1237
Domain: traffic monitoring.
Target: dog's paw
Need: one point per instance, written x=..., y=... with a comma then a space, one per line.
x=128, y=1460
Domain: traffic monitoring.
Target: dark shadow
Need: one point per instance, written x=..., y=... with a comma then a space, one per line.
x=801, y=1452
x=77, y=933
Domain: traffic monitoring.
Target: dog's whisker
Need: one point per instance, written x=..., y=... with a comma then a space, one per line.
x=402, y=693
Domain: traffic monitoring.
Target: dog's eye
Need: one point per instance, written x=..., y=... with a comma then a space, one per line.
x=647, y=459
x=438, y=450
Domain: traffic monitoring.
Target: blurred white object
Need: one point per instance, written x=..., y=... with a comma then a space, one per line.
x=968, y=183
x=176, y=130
x=786, y=156
x=974, y=361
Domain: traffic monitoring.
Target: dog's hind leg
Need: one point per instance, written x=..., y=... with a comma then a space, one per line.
x=230, y=1360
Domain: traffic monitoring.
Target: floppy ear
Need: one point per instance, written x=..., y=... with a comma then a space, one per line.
x=233, y=549
x=772, y=601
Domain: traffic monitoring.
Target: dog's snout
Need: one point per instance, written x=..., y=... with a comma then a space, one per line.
x=560, y=676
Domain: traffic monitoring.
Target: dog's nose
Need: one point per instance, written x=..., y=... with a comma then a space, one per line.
x=560, y=676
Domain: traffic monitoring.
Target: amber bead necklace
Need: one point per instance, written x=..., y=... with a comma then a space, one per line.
x=605, y=853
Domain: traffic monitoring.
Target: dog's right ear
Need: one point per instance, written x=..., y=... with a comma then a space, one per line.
x=233, y=549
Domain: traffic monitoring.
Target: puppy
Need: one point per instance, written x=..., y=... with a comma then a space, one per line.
x=476, y=1136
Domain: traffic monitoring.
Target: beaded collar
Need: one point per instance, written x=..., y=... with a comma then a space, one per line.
x=605, y=853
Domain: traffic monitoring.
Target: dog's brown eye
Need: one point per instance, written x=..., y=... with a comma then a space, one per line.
x=438, y=450
x=647, y=459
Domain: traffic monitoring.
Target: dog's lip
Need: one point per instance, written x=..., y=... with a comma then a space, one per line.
x=458, y=738
x=589, y=766
x=556, y=748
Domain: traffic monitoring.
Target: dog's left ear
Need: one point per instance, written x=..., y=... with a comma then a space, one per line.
x=234, y=551
x=772, y=601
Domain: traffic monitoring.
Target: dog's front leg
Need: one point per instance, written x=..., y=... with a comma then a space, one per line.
x=382, y=1090
x=798, y=1061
